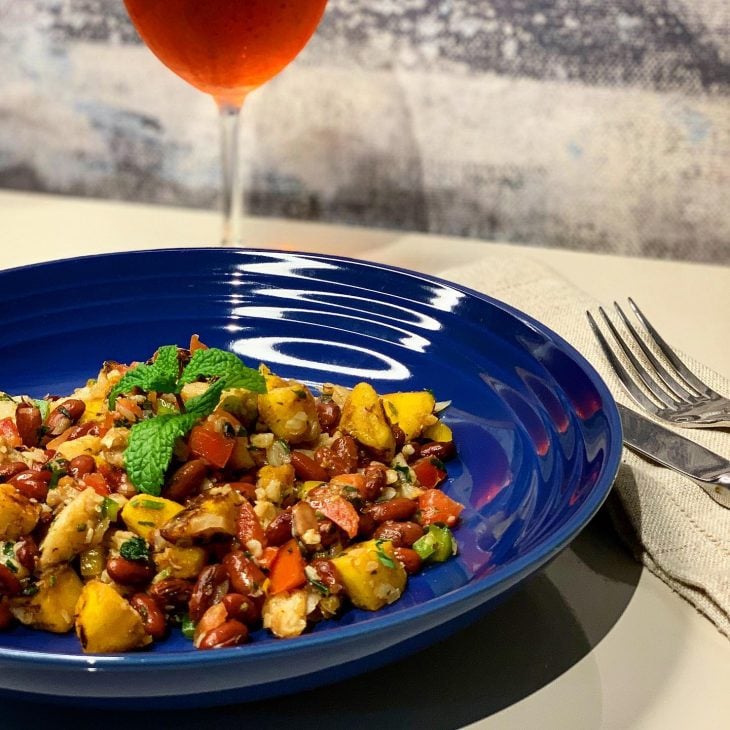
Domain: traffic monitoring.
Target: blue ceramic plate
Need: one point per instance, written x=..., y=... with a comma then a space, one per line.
x=537, y=431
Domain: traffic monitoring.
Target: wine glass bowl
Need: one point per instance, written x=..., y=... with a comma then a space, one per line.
x=226, y=48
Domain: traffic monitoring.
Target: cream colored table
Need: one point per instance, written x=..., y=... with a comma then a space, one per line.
x=593, y=641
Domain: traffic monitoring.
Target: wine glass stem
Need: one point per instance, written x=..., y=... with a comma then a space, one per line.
x=230, y=123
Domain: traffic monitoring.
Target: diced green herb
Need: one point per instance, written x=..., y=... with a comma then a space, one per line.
x=30, y=588
x=43, y=406
x=188, y=627
x=149, y=504
x=385, y=559
x=146, y=523
x=58, y=468
x=405, y=473
x=436, y=545
x=109, y=508
x=9, y=549
x=136, y=548
x=321, y=587
x=11, y=566
x=284, y=446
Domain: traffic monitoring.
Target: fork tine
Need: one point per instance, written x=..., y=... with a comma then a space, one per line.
x=626, y=380
x=691, y=379
x=652, y=386
x=679, y=391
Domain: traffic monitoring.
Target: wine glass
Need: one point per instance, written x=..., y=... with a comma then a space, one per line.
x=226, y=48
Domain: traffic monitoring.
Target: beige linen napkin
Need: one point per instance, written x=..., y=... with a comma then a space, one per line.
x=678, y=532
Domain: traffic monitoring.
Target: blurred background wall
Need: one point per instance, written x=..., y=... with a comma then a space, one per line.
x=589, y=124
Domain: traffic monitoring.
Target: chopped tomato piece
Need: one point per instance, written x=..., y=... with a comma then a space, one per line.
x=97, y=482
x=126, y=406
x=267, y=557
x=196, y=344
x=9, y=432
x=352, y=481
x=435, y=507
x=429, y=472
x=339, y=510
x=287, y=570
x=211, y=446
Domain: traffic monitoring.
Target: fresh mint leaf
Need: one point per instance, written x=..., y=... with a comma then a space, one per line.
x=151, y=442
x=160, y=376
x=215, y=363
x=150, y=448
x=204, y=404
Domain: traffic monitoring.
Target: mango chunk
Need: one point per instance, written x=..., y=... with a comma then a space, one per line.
x=18, y=515
x=438, y=432
x=51, y=608
x=373, y=577
x=106, y=623
x=364, y=419
x=145, y=513
x=410, y=411
x=76, y=447
x=290, y=411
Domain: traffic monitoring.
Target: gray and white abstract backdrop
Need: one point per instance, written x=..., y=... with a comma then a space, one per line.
x=600, y=125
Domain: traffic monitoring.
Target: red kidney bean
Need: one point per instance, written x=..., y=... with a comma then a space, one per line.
x=397, y=509
x=328, y=575
x=28, y=420
x=399, y=435
x=306, y=468
x=374, y=481
x=63, y=417
x=410, y=559
x=81, y=465
x=328, y=415
x=229, y=633
x=248, y=525
x=245, y=576
x=441, y=450
x=241, y=608
x=366, y=525
x=9, y=470
x=79, y=431
x=304, y=519
x=6, y=616
x=9, y=583
x=27, y=553
x=152, y=617
x=329, y=533
x=171, y=594
x=129, y=572
x=186, y=480
x=211, y=586
x=32, y=484
x=340, y=458
x=279, y=529
x=401, y=534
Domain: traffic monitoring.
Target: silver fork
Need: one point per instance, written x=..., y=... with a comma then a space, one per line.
x=680, y=396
